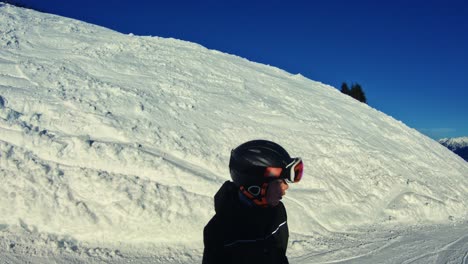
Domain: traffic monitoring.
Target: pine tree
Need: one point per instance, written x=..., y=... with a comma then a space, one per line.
x=357, y=93
x=345, y=88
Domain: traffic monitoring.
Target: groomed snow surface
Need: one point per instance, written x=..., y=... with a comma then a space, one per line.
x=112, y=147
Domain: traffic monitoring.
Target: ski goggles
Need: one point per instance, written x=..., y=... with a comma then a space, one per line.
x=291, y=173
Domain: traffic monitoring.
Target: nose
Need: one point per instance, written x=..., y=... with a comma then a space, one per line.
x=284, y=186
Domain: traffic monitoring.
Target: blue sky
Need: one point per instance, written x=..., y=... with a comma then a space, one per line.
x=410, y=57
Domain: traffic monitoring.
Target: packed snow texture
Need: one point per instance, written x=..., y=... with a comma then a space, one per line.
x=112, y=147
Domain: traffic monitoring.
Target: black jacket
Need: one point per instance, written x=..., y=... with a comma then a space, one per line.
x=242, y=233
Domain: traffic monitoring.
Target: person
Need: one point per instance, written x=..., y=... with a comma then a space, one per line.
x=250, y=224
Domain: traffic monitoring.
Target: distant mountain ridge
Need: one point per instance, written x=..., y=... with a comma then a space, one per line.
x=457, y=145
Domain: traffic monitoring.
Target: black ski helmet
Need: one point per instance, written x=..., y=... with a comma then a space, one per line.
x=248, y=159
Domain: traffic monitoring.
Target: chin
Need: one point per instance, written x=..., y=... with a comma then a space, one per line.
x=275, y=203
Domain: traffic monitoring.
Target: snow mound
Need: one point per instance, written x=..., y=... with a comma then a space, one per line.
x=120, y=140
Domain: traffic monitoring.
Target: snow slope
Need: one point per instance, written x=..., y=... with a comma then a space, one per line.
x=112, y=146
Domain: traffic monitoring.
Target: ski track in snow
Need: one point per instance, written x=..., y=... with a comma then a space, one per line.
x=449, y=253
x=112, y=147
x=396, y=247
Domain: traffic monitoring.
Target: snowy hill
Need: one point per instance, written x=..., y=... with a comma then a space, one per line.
x=457, y=145
x=112, y=146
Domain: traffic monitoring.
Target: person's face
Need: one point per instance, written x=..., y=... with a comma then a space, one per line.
x=275, y=192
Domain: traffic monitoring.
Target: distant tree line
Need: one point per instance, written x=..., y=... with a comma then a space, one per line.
x=356, y=92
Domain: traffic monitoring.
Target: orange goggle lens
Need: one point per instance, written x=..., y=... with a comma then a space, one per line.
x=298, y=171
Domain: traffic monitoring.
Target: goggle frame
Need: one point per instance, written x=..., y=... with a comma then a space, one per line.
x=292, y=172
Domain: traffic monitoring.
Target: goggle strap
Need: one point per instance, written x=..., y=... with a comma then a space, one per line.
x=273, y=172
